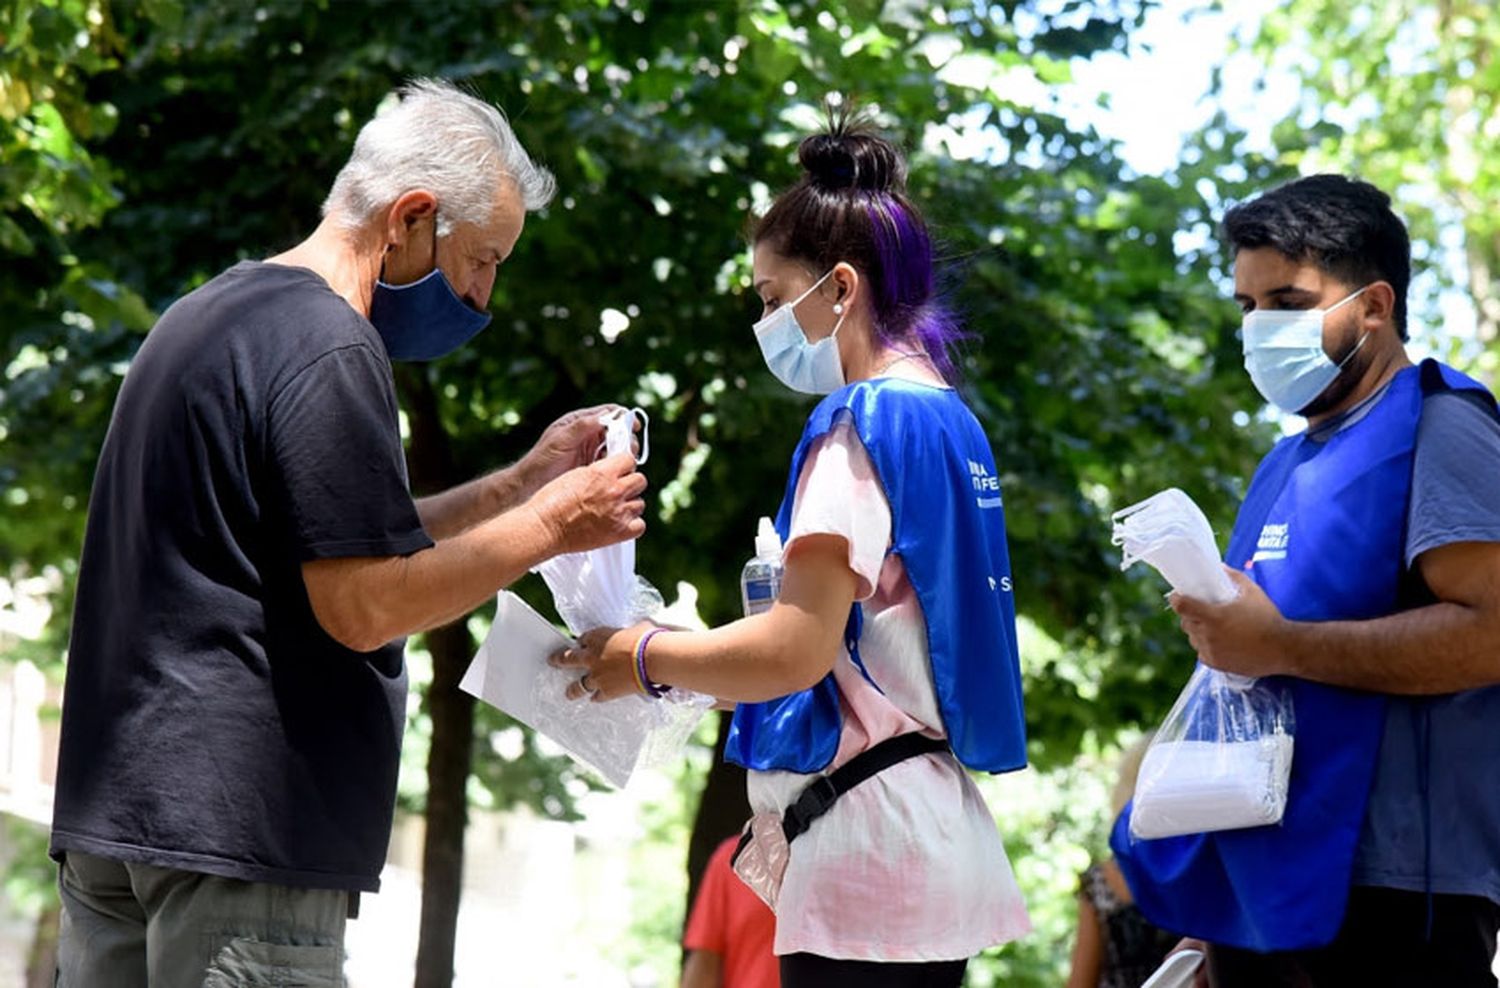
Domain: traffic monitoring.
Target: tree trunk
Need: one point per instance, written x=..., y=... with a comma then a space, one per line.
x=452, y=713
x=431, y=464
x=722, y=811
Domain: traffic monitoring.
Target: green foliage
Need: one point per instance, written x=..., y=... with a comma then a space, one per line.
x=1104, y=365
x=1404, y=94
x=67, y=320
x=30, y=876
x=1055, y=825
x=658, y=884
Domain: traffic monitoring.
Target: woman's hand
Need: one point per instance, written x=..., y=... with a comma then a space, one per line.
x=605, y=660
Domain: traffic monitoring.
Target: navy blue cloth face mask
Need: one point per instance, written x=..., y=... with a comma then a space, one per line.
x=426, y=319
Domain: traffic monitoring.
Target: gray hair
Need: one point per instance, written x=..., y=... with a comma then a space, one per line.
x=440, y=138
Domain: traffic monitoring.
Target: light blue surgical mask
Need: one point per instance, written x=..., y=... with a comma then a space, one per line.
x=1284, y=354
x=811, y=368
x=426, y=319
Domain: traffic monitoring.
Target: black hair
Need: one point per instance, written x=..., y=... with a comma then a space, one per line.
x=1342, y=225
x=851, y=205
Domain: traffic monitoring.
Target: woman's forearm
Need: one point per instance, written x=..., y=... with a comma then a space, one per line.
x=758, y=658
x=788, y=648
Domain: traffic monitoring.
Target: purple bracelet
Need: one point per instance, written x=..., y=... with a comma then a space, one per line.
x=653, y=690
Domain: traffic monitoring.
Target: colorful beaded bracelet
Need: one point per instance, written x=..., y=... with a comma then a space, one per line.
x=642, y=681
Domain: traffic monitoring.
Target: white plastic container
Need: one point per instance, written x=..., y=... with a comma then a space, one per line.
x=760, y=580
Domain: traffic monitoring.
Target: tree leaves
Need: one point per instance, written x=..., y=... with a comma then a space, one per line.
x=1103, y=363
x=1402, y=94
x=179, y=138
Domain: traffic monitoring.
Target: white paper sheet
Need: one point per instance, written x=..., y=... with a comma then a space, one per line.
x=510, y=672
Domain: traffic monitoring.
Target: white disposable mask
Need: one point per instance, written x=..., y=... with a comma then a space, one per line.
x=1284, y=354
x=811, y=368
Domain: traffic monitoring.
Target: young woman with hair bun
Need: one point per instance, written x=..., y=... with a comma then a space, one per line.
x=888, y=663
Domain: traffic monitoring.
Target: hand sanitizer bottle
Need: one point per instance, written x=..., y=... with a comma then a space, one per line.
x=760, y=581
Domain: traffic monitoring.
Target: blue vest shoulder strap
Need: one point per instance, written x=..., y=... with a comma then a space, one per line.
x=1438, y=377
x=935, y=466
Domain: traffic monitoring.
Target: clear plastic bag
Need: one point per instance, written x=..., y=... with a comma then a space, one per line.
x=599, y=588
x=511, y=673
x=1222, y=759
x=620, y=736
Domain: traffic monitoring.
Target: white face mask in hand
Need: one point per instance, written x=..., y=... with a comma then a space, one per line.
x=1284, y=354
x=811, y=368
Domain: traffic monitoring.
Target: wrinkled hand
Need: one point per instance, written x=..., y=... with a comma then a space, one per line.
x=1243, y=636
x=593, y=506
x=570, y=442
x=605, y=660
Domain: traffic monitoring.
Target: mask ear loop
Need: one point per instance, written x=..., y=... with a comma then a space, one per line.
x=645, y=435
x=839, y=309
x=1363, y=336
x=1350, y=355
x=645, y=453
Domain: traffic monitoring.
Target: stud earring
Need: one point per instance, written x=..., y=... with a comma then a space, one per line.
x=838, y=308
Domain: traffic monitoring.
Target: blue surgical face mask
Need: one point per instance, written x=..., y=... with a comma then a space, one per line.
x=1284, y=354
x=426, y=319
x=811, y=368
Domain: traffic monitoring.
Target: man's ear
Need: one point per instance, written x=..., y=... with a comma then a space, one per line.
x=406, y=213
x=1380, y=302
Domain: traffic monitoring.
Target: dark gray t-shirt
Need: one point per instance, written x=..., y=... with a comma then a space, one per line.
x=209, y=723
x=1455, y=490
x=1448, y=746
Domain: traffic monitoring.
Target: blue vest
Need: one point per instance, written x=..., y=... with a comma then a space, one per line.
x=1322, y=531
x=948, y=525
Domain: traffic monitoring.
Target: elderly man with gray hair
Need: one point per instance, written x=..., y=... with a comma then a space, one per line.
x=236, y=693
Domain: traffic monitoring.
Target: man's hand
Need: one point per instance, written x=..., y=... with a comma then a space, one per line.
x=592, y=506
x=570, y=442
x=1243, y=636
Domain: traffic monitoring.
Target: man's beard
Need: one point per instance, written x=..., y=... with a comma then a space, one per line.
x=1344, y=384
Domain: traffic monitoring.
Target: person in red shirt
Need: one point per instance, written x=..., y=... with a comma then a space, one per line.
x=730, y=932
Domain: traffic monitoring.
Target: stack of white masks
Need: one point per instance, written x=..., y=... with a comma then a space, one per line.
x=1170, y=531
x=1222, y=759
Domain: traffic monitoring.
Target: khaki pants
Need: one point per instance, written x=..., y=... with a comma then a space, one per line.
x=137, y=926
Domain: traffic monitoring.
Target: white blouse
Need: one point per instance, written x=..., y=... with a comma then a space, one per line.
x=908, y=865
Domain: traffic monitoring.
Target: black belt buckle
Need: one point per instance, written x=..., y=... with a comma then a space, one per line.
x=815, y=800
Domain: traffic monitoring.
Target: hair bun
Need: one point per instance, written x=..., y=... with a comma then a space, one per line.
x=851, y=156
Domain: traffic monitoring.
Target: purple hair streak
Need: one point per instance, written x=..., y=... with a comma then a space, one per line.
x=905, y=306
